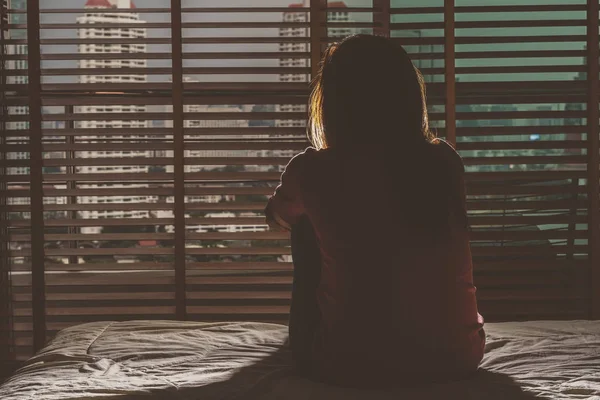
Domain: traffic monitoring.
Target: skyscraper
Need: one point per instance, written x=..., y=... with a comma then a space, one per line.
x=95, y=13
x=297, y=14
x=17, y=63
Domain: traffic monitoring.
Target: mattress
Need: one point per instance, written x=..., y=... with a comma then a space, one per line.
x=186, y=360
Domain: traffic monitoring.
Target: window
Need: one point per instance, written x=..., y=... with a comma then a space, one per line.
x=517, y=106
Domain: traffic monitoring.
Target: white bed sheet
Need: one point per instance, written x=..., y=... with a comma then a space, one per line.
x=186, y=360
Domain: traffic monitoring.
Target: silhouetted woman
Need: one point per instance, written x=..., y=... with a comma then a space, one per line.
x=383, y=289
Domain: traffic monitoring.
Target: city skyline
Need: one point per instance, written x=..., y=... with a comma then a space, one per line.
x=243, y=124
x=436, y=63
x=151, y=17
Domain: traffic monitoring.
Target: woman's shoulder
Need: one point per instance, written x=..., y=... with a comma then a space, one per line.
x=448, y=153
x=308, y=157
x=303, y=162
x=307, y=153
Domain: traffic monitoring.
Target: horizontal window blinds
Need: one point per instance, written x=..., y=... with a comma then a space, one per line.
x=521, y=98
x=160, y=129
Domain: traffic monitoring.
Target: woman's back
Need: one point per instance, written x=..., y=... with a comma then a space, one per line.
x=390, y=297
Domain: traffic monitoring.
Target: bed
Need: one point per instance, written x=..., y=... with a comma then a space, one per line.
x=187, y=360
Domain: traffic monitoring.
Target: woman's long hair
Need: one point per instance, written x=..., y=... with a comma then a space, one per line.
x=369, y=95
x=368, y=92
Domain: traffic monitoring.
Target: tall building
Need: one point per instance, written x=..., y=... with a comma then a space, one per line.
x=47, y=200
x=191, y=123
x=216, y=123
x=191, y=154
x=292, y=46
x=297, y=14
x=95, y=13
x=230, y=228
x=19, y=62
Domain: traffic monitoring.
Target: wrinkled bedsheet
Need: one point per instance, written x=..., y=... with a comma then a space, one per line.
x=241, y=360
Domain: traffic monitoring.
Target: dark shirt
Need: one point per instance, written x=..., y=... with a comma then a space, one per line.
x=392, y=302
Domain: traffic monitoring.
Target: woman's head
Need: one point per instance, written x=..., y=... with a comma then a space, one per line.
x=368, y=92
